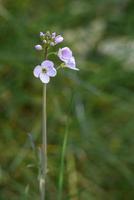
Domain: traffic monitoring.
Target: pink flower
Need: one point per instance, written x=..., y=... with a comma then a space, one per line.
x=45, y=71
x=65, y=54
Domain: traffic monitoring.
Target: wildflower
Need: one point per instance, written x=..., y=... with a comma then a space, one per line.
x=45, y=71
x=65, y=54
x=58, y=39
x=38, y=47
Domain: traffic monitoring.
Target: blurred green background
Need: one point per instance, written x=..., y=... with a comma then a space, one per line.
x=98, y=100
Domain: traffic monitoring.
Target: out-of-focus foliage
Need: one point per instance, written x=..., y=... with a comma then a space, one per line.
x=98, y=100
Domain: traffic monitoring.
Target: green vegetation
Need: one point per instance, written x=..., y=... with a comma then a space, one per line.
x=95, y=105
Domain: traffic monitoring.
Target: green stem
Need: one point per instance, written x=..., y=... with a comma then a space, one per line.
x=58, y=67
x=52, y=53
x=44, y=137
x=44, y=144
x=46, y=52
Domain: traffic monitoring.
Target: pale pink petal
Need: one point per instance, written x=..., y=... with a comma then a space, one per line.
x=51, y=71
x=47, y=63
x=37, y=70
x=44, y=77
x=71, y=64
x=65, y=54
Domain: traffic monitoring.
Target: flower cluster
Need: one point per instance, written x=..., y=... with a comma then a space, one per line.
x=47, y=68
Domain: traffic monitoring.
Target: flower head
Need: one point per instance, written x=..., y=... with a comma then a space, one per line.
x=45, y=71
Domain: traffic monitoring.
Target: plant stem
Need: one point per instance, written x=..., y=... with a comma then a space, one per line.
x=44, y=143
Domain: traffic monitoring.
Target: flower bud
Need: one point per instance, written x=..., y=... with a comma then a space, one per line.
x=53, y=35
x=42, y=34
x=44, y=41
x=52, y=44
x=38, y=47
x=58, y=39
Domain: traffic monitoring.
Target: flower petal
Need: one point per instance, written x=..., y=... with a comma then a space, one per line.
x=71, y=64
x=44, y=77
x=64, y=54
x=47, y=63
x=51, y=71
x=37, y=71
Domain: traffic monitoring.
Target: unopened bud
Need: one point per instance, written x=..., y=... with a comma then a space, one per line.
x=38, y=47
x=42, y=34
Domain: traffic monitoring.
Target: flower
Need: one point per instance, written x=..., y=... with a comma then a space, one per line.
x=58, y=39
x=38, y=47
x=65, y=54
x=45, y=71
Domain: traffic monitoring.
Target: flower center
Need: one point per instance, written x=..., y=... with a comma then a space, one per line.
x=44, y=70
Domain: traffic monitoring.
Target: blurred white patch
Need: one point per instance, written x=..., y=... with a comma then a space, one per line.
x=120, y=48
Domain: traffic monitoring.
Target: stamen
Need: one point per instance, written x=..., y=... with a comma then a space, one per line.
x=44, y=70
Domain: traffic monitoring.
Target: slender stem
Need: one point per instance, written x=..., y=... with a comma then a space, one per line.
x=46, y=52
x=52, y=53
x=44, y=143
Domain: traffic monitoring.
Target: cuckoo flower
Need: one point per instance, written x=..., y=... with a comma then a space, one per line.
x=65, y=54
x=45, y=71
